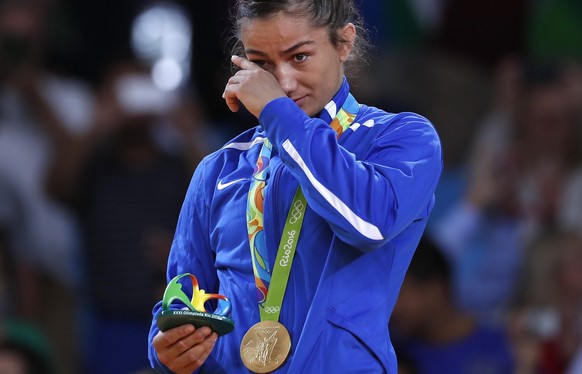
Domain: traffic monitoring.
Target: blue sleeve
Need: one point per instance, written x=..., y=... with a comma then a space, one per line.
x=366, y=201
x=190, y=252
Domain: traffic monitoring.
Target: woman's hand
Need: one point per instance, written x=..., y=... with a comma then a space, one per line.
x=252, y=86
x=184, y=349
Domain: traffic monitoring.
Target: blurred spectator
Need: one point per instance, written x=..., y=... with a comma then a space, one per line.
x=548, y=145
x=38, y=106
x=433, y=332
x=521, y=164
x=570, y=205
x=23, y=347
x=494, y=131
x=127, y=178
x=547, y=320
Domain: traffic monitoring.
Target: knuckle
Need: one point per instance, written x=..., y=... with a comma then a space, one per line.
x=164, y=359
x=192, y=356
x=182, y=345
x=209, y=343
x=157, y=341
x=199, y=361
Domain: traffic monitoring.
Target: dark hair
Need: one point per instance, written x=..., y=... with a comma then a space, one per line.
x=331, y=14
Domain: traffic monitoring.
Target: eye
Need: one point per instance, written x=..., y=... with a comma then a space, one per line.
x=261, y=63
x=300, y=57
x=265, y=65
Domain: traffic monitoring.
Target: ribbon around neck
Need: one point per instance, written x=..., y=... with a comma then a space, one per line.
x=271, y=283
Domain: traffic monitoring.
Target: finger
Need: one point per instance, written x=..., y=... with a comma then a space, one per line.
x=236, y=78
x=202, y=334
x=231, y=99
x=243, y=63
x=171, y=336
x=170, y=355
x=209, y=342
x=232, y=104
x=196, y=355
x=191, y=340
x=208, y=345
x=167, y=353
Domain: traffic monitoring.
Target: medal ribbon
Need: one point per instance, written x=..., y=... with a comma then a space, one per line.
x=271, y=283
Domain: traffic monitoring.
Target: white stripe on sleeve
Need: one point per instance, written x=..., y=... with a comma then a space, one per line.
x=365, y=228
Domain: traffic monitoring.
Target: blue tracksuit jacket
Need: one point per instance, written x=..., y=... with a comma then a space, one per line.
x=369, y=196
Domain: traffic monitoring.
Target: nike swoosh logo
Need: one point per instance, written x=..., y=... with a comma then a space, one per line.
x=222, y=186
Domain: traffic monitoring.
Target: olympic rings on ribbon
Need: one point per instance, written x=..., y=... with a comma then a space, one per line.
x=272, y=309
x=297, y=213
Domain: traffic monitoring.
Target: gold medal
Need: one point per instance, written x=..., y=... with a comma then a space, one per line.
x=265, y=347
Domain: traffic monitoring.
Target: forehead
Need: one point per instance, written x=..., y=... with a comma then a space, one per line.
x=280, y=30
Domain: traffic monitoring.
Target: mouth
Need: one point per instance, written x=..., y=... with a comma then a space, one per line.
x=299, y=100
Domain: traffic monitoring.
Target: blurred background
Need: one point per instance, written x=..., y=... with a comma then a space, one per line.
x=106, y=108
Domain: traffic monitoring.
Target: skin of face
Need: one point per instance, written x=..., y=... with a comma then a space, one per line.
x=306, y=66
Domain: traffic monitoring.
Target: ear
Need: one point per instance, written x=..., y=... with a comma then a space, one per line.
x=348, y=35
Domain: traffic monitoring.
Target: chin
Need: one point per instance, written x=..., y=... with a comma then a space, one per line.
x=310, y=111
x=307, y=111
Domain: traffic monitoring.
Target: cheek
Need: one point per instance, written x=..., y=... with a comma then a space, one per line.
x=327, y=82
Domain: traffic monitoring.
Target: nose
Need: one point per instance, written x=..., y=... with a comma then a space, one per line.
x=285, y=75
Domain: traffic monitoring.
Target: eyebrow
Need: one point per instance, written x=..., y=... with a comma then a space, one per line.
x=287, y=51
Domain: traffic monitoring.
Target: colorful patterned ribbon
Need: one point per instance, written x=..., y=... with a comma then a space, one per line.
x=255, y=211
x=255, y=202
